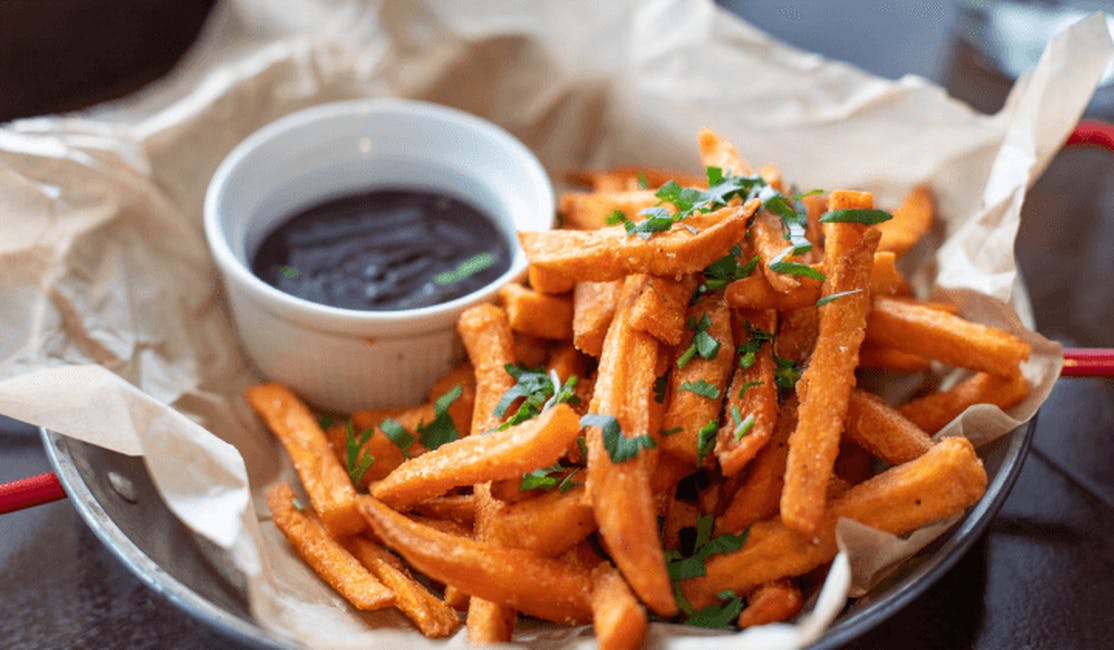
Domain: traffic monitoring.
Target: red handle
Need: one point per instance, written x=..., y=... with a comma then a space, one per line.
x=31, y=491
x=1092, y=132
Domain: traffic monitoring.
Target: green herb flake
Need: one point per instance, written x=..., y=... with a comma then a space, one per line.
x=705, y=546
x=398, y=434
x=538, y=392
x=297, y=504
x=779, y=265
x=868, y=217
x=742, y=425
x=326, y=421
x=721, y=616
x=545, y=478
x=706, y=440
x=441, y=429
x=469, y=267
x=748, y=352
x=643, y=181
x=787, y=373
x=836, y=296
x=701, y=388
x=747, y=386
x=616, y=217
x=703, y=343
x=290, y=272
x=619, y=447
x=669, y=432
x=358, y=461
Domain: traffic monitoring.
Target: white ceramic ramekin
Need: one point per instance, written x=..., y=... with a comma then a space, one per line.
x=342, y=359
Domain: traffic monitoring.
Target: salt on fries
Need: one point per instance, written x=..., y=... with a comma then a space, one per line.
x=666, y=420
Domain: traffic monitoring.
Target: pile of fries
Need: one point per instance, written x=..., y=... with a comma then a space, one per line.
x=665, y=420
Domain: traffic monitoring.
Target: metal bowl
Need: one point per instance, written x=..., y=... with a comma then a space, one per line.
x=114, y=495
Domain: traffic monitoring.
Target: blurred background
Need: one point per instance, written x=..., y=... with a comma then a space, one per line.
x=1040, y=577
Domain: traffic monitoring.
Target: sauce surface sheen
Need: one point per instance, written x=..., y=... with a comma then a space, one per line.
x=383, y=249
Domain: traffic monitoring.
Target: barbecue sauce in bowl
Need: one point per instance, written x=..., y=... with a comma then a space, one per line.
x=383, y=249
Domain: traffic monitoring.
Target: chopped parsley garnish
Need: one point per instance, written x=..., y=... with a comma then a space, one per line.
x=779, y=265
x=742, y=425
x=702, y=343
x=397, y=434
x=706, y=440
x=747, y=386
x=357, y=460
x=793, y=215
x=868, y=217
x=326, y=421
x=548, y=478
x=721, y=616
x=683, y=568
x=441, y=428
x=470, y=266
x=538, y=390
x=836, y=296
x=726, y=270
x=669, y=432
x=643, y=181
x=297, y=504
x=786, y=373
x=290, y=273
x=619, y=447
x=657, y=219
x=748, y=352
x=701, y=388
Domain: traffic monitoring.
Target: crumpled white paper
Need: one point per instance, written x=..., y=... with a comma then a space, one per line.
x=114, y=330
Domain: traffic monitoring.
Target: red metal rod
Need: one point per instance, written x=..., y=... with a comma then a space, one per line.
x=30, y=491
x=1083, y=362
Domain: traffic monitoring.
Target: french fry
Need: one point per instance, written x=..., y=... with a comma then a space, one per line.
x=619, y=620
x=797, y=330
x=620, y=491
x=326, y=481
x=328, y=559
x=756, y=292
x=697, y=384
x=883, y=431
x=487, y=337
x=549, y=523
x=758, y=496
x=488, y=621
x=567, y=362
x=537, y=314
x=549, y=282
x=752, y=401
x=935, y=334
x=912, y=219
x=853, y=465
x=429, y=613
x=593, y=308
x=530, y=351
x=478, y=458
x=770, y=243
x=717, y=152
x=772, y=602
x=460, y=508
x=610, y=253
x=875, y=356
x=825, y=385
x=523, y=580
x=589, y=211
x=885, y=279
x=660, y=309
x=935, y=410
x=944, y=481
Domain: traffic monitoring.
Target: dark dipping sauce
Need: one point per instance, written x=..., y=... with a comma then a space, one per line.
x=383, y=249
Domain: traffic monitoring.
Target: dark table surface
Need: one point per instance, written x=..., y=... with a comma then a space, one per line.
x=1042, y=575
